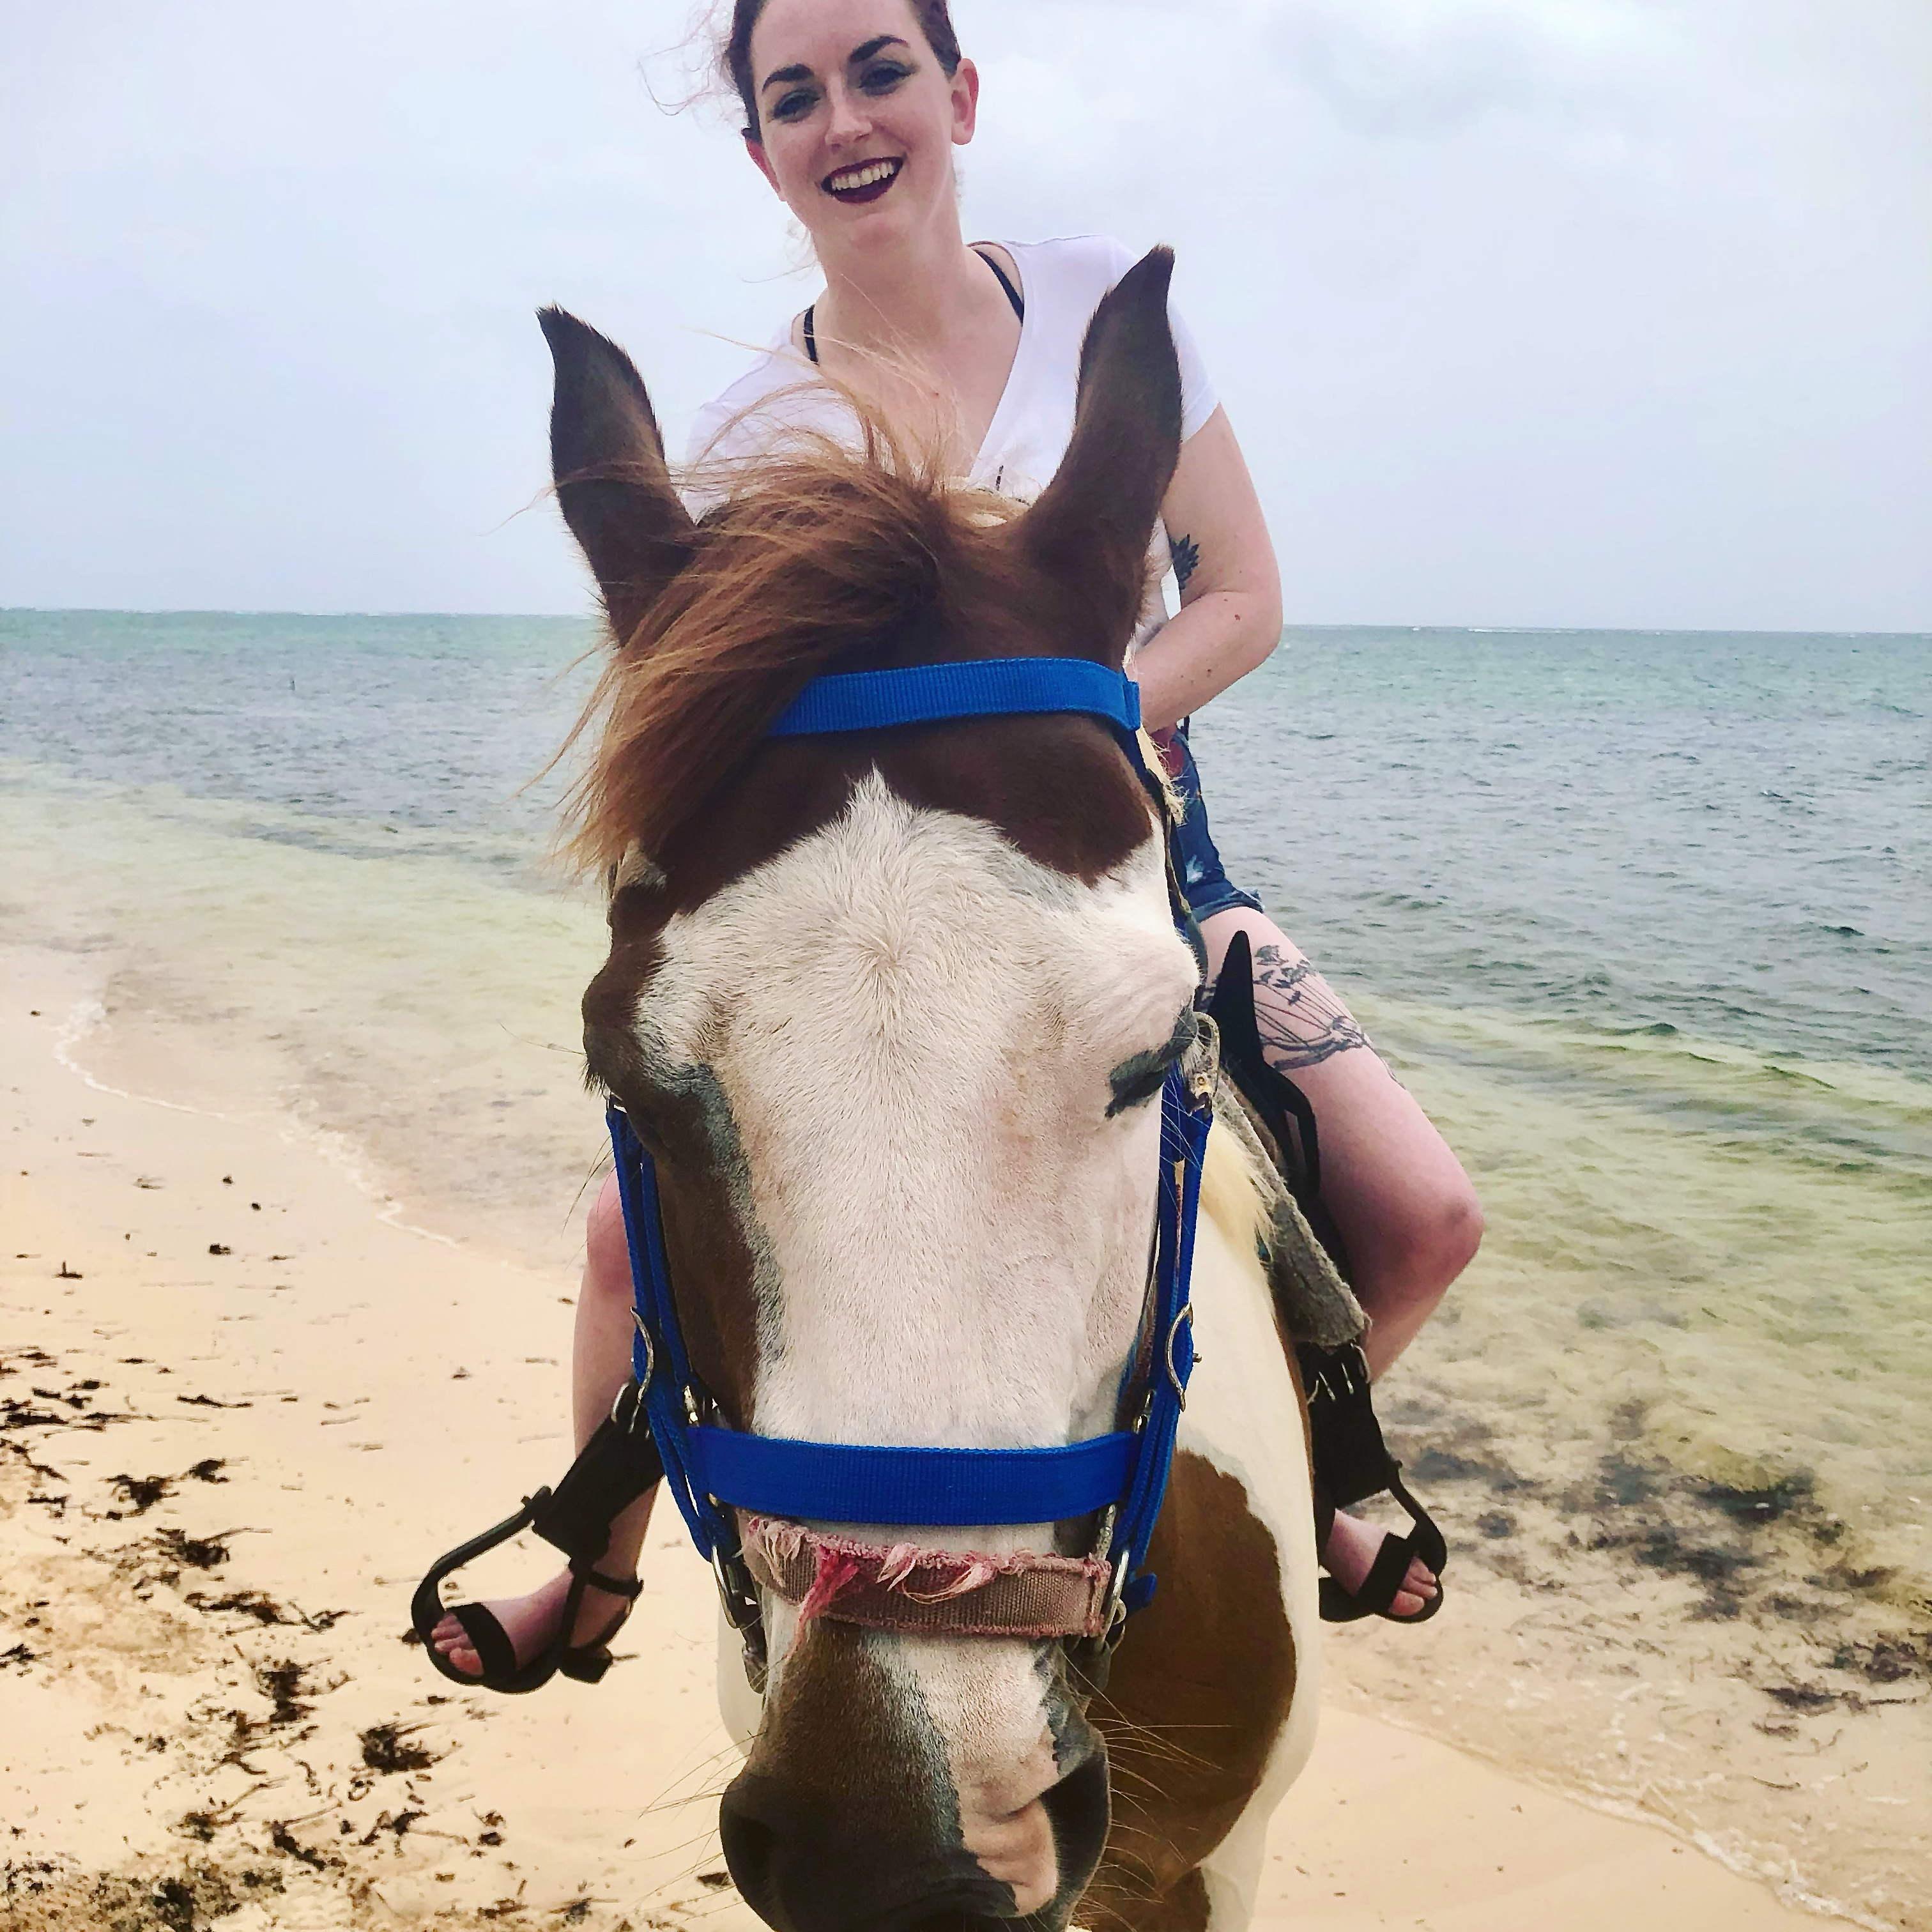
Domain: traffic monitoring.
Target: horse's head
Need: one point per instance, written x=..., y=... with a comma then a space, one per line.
x=891, y=1011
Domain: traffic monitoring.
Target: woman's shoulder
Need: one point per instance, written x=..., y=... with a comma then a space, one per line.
x=1071, y=267
x=1062, y=280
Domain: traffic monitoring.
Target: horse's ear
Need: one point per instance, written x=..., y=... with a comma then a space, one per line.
x=607, y=459
x=1090, y=529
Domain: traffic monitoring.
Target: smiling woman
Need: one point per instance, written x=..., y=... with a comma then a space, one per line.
x=852, y=111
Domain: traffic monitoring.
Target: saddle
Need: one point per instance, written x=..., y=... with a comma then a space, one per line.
x=1306, y=1264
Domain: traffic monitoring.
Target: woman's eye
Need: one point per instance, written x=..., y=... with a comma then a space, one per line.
x=792, y=105
x=883, y=78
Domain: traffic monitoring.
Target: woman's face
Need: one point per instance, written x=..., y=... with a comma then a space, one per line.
x=857, y=120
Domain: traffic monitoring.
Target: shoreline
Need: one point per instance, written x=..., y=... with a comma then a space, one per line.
x=224, y=1424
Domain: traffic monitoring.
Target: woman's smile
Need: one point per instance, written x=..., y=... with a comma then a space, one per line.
x=863, y=181
x=847, y=100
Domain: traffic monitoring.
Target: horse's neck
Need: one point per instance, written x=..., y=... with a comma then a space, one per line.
x=1232, y=1648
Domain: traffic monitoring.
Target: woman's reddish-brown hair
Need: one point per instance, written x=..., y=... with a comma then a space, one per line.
x=935, y=18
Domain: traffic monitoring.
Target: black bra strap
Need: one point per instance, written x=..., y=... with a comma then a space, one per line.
x=1005, y=282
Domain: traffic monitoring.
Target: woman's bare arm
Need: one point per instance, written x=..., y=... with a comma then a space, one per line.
x=1230, y=615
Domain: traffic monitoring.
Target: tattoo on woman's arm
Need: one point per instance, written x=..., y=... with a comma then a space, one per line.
x=1186, y=554
x=1300, y=1021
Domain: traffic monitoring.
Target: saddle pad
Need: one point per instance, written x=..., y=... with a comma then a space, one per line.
x=1316, y=1304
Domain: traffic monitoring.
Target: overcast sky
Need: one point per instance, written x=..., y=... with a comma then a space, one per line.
x=1529, y=312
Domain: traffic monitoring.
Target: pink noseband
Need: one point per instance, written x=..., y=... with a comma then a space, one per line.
x=921, y=1592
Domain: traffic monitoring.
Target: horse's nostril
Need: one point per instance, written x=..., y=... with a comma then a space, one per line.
x=804, y=1865
x=1078, y=1807
x=750, y=1853
x=750, y=1847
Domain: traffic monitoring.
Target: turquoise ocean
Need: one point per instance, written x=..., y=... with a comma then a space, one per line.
x=1644, y=919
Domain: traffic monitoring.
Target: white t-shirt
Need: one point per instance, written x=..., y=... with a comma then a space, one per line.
x=1061, y=282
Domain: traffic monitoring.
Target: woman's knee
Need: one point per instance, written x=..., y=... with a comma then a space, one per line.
x=1407, y=1211
x=607, y=1252
x=1434, y=1240
x=1458, y=1231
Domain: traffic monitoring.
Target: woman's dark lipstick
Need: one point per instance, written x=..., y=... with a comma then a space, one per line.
x=874, y=178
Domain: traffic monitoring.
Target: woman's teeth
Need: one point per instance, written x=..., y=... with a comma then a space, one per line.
x=868, y=174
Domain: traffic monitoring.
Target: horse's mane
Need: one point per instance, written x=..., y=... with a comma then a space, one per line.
x=816, y=552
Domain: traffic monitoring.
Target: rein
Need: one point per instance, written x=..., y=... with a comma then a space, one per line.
x=745, y=1497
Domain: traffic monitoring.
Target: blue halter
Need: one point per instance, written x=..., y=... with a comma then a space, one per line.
x=1121, y=1477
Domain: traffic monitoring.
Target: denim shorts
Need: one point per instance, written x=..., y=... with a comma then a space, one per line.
x=1204, y=881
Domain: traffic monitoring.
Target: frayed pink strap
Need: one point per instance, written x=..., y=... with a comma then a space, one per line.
x=837, y=1573
x=905, y=1587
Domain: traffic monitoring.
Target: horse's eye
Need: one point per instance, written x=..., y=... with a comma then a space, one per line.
x=1136, y=1081
x=1136, y=1089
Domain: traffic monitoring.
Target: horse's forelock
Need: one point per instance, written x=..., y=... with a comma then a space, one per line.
x=824, y=556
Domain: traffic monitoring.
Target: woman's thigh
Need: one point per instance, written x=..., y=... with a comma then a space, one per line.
x=1404, y=1207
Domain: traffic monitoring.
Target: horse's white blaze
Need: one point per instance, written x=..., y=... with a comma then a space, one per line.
x=912, y=1025
x=983, y=1701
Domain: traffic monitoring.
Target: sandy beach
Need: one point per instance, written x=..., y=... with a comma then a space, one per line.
x=242, y=1404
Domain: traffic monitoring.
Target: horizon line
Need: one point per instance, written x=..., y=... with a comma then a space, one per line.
x=585, y=616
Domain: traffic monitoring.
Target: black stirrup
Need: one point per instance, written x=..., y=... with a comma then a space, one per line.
x=617, y=1466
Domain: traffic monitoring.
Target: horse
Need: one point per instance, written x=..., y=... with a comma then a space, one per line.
x=890, y=1010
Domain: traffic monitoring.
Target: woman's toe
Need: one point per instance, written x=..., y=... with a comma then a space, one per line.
x=1419, y=1587
x=453, y=1643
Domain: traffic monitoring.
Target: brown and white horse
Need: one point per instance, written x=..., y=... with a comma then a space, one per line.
x=882, y=1006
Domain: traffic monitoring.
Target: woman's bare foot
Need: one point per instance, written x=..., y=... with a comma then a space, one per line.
x=529, y=1622
x=1353, y=1545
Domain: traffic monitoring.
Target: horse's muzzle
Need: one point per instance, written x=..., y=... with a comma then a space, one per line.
x=803, y=1866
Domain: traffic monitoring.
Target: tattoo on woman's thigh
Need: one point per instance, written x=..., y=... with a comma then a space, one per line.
x=1300, y=1021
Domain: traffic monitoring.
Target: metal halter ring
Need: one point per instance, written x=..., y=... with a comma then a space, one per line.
x=650, y=1353
x=1203, y=1064
x=1173, y=1335
x=633, y=1393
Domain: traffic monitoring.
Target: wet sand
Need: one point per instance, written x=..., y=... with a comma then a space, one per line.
x=241, y=1408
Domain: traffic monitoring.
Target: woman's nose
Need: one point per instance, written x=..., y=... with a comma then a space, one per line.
x=850, y=121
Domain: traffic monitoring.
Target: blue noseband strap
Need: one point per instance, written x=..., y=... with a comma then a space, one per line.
x=830, y=1482
x=708, y=1467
